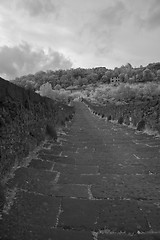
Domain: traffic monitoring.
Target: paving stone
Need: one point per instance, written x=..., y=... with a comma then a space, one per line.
x=66, y=147
x=58, y=159
x=64, y=160
x=69, y=190
x=122, y=216
x=153, y=167
x=32, y=232
x=115, y=216
x=123, y=167
x=69, y=235
x=106, y=169
x=147, y=152
x=128, y=187
x=33, y=180
x=84, y=169
x=55, y=150
x=114, y=236
x=77, y=169
x=144, y=236
x=64, y=168
x=86, y=160
x=151, y=211
x=46, y=145
x=39, y=164
x=79, y=214
x=52, y=142
x=47, y=157
x=31, y=209
x=79, y=179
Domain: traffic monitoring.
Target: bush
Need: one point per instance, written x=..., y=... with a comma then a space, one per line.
x=59, y=95
x=125, y=92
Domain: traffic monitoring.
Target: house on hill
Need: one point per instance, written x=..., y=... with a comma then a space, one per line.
x=115, y=80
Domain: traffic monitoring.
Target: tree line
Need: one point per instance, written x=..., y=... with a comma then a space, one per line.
x=81, y=77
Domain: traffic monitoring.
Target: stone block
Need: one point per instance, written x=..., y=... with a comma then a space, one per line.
x=30, y=210
x=33, y=180
x=96, y=215
x=69, y=190
x=39, y=164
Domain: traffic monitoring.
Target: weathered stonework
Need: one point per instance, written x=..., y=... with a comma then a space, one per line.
x=141, y=114
x=24, y=116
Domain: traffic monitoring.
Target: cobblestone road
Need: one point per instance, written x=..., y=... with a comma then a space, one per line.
x=101, y=181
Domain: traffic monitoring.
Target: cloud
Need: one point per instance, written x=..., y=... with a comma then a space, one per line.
x=149, y=16
x=89, y=32
x=22, y=59
x=113, y=15
x=153, y=20
x=33, y=7
x=102, y=27
x=37, y=7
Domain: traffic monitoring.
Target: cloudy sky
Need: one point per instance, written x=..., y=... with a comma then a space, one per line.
x=51, y=34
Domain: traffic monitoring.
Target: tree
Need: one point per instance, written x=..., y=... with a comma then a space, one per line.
x=52, y=79
x=158, y=75
x=57, y=87
x=139, y=75
x=107, y=76
x=129, y=70
x=92, y=78
x=46, y=90
x=100, y=71
x=84, y=81
x=129, y=67
x=116, y=72
x=126, y=77
x=122, y=77
x=80, y=82
x=147, y=75
x=76, y=82
x=105, y=79
x=64, y=81
x=40, y=78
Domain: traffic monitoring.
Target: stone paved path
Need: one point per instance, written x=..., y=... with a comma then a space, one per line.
x=100, y=182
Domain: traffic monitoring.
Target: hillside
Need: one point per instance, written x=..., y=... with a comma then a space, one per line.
x=83, y=77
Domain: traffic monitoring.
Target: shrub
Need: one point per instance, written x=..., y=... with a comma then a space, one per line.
x=59, y=95
x=125, y=92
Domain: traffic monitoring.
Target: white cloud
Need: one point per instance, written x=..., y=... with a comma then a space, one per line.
x=37, y=7
x=152, y=21
x=22, y=59
x=90, y=32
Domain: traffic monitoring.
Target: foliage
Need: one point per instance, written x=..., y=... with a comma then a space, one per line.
x=124, y=92
x=58, y=94
x=81, y=77
x=147, y=75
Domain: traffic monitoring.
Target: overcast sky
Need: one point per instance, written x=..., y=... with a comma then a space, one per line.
x=51, y=34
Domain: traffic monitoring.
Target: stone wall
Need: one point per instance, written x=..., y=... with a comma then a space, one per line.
x=24, y=116
x=141, y=114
